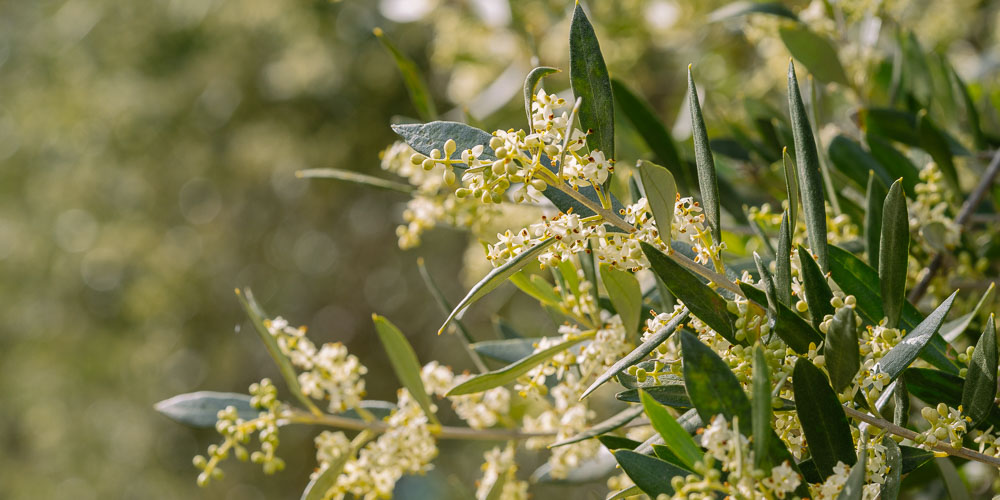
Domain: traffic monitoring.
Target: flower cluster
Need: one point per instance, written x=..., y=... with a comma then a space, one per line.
x=948, y=425
x=499, y=471
x=480, y=410
x=328, y=373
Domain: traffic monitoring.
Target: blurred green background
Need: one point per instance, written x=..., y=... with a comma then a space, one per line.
x=148, y=154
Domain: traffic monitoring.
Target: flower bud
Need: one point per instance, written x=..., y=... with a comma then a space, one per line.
x=501, y=152
x=497, y=198
x=417, y=158
x=428, y=164
x=539, y=184
x=450, y=147
x=449, y=177
x=461, y=193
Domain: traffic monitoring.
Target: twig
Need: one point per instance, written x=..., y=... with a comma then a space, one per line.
x=911, y=435
x=964, y=216
x=442, y=432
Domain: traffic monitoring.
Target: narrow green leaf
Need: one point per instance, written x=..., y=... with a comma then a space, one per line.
x=327, y=478
x=611, y=423
x=536, y=287
x=201, y=409
x=795, y=331
x=632, y=382
x=625, y=294
x=508, y=350
x=589, y=265
x=497, y=277
x=791, y=185
x=874, y=199
x=701, y=300
x=509, y=373
x=425, y=137
x=661, y=193
x=896, y=163
x=900, y=356
x=854, y=162
x=971, y=113
x=953, y=483
x=404, y=362
x=445, y=306
x=893, y=254
x=980, y=387
x=814, y=51
x=742, y=8
x=673, y=395
x=674, y=436
x=855, y=484
x=810, y=177
x=654, y=340
x=822, y=418
x=952, y=329
x=769, y=289
x=817, y=290
x=420, y=95
x=936, y=144
x=589, y=78
x=650, y=474
x=901, y=402
x=760, y=405
x=629, y=492
x=530, y=85
x=258, y=318
x=707, y=177
x=347, y=175
x=612, y=442
x=843, y=357
x=711, y=384
x=894, y=468
x=653, y=133
x=783, y=262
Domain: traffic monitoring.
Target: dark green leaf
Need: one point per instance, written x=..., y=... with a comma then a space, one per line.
x=769, y=289
x=894, y=469
x=854, y=486
x=701, y=300
x=900, y=356
x=815, y=52
x=914, y=458
x=896, y=164
x=980, y=387
x=711, y=384
x=530, y=84
x=673, y=395
x=589, y=77
x=654, y=340
x=857, y=278
x=795, y=331
x=742, y=8
x=817, y=290
x=625, y=294
x=971, y=114
x=509, y=373
x=893, y=254
x=674, y=436
x=823, y=421
x=936, y=144
x=535, y=286
x=791, y=185
x=661, y=193
x=200, y=409
x=707, y=182
x=653, y=133
x=404, y=362
x=842, y=349
x=854, y=162
x=612, y=442
x=760, y=405
x=810, y=177
x=611, y=423
x=650, y=474
x=497, y=277
x=420, y=95
x=425, y=137
x=783, y=262
x=874, y=199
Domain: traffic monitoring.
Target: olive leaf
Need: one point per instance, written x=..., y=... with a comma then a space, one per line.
x=980, y=388
x=673, y=395
x=650, y=474
x=742, y=8
x=349, y=176
x=426, y=137
x=783, y=262
x=201, y=409
x=854, y=162
x=899, y=357
x=611, y=423
x=843, y=357
x=509, y=373
x=420, y=95
x=760, y=404
x=702, y=301
x=936, y=144
x=661, y=194
x=817, y=290
x=674, y=436
x=404, y=362
x=874, y=200
x=508, y=350
x=707, y=176
x=855, y=484
x=589, y=78
x=810, y=177
x=653, y=133
x=896, y=163
x=625, y=294
x=894, y=253
x=822, y=418
x=791, y=185
x=769, y=289
x=530, y=84
x=894, y=465
x=816, y=52
x=711, y=384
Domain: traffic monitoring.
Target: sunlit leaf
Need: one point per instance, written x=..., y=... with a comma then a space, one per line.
x=807, y=165
x=791, y=185
x=711, y=384
x=347, y=175
x=674, y=436
x=404, y=362
x=661, y=193
x=200, y=409
x=509, y=373
x=842, y=349
x=814, y=51
x=899, y=357
x=674, y=395
x=707, y=176
x=625, y=294
x=611, y=423
x=590, y=80
x=952, y=329
x=425, y=137
x=894, y=253
x=508, y=350
x=783, y=262
x=855, y=484
x=531, y=84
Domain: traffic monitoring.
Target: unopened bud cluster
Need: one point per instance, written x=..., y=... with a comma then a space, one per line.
x=948, y=426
